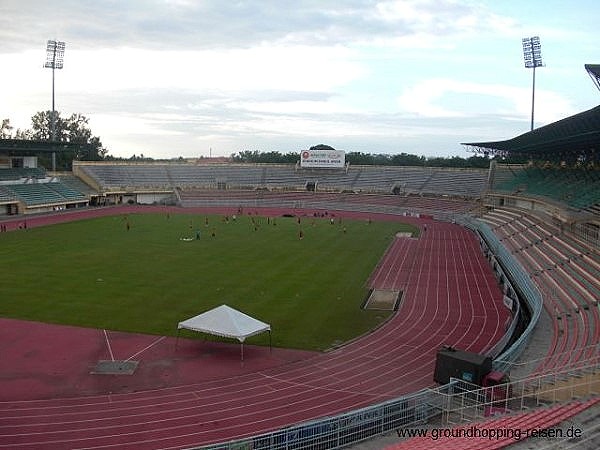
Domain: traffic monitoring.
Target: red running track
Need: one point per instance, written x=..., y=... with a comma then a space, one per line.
x=450, y=298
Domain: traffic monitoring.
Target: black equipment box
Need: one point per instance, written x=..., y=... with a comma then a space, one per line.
x=453, y=363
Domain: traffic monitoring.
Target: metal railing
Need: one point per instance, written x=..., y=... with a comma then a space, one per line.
x=348, y=428
x=464, y=401
x=519, y=280
x=456, y=403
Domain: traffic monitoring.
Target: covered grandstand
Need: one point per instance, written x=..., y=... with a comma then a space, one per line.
x=562, y=178
x=26, y=187
x=573, y=140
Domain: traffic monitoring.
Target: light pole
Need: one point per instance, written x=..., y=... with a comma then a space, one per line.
x=532, y=53
x=55, y=52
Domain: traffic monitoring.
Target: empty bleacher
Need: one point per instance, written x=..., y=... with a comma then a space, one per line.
x=6, y=195
x=76, y=184
x=36, y=193
x=578, y=188
x=468, y=183
x=67, y=192
x=16, y=174
x=365, y=179
x=53, y=193
x=393, y=204
x=566, y=271
x=507, y=430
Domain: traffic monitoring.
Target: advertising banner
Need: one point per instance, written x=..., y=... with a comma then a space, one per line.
x=322, y=159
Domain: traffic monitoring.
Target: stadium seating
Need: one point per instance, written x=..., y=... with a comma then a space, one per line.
x=67, y=192
x=6, y=194
x=448, y=182
x=366, y=179
x=576, y=187
x=287, y=177
x=76, y=184
x=326, y=201
x=35, y=194
x=566, y=272
x=45, y=193
x=15, y=174
x=511, y=427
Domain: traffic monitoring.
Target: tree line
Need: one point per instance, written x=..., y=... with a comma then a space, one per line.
x=379, y=159
x=75, y=129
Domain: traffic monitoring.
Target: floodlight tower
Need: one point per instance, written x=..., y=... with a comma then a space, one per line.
x=55, y=52
x=532, y=53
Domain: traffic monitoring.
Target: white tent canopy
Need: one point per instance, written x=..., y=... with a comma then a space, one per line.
x=227, y=322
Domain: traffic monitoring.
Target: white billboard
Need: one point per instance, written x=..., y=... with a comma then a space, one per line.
x=322, y=158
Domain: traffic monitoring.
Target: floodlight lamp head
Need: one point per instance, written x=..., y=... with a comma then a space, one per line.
x=532, y=52
x=55, y=52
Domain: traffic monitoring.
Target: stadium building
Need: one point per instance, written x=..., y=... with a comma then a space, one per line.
x=537, y=225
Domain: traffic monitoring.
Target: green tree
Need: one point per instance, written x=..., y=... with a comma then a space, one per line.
x=481, y=162
x=359, y=158
x=321, y=147
x=245, y=156
x=250, y=156
x=405, y=159
x=74, y=129
x=6, y=129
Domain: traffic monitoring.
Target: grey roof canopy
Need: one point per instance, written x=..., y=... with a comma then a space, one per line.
x=594, y=71
x=573, y=136
x=226, y=322
x=17, y=147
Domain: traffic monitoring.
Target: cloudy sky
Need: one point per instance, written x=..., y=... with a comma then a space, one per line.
x=168, y=78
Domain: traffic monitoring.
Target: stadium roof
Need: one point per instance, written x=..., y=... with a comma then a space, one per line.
x=16, y=147
x=570, y=138
x=594, y=71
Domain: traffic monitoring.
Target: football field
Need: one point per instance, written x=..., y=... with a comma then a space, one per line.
x=146, y=272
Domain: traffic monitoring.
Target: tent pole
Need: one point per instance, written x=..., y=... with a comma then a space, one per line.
x=177, y=339
x=270, y=343
x=242, y=349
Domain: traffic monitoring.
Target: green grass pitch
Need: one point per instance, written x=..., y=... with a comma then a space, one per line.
x=98, y=273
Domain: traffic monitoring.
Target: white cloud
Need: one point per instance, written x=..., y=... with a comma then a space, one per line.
x=146, y=125
x=404, y=11
x=426, y=98
x=272, y=67
x=167, y=75
x=316, y=108
x=442, y=18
